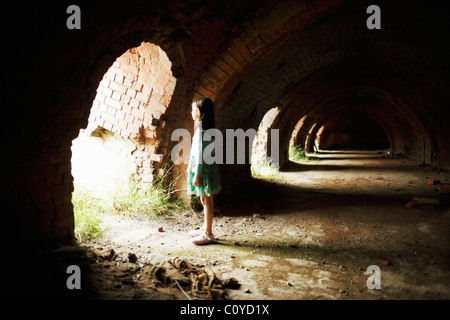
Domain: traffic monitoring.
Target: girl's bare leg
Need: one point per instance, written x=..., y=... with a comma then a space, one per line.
x=208, y=205
x=202, y=200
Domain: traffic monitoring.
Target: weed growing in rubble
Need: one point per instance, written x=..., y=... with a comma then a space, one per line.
x=265, y=170
x=86, y=211
x=128, y=198
x=152, y=199
x=298, y=154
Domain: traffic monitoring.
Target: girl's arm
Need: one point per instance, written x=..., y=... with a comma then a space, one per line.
x=196, y=180
x=198, y=157
x=198, y=150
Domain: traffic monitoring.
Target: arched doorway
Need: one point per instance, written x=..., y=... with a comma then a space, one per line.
x=119, y=150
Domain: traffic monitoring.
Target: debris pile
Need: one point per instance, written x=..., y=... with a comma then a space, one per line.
x=118, y=276
x=201, y=279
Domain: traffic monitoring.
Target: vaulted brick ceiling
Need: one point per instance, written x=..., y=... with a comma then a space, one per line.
x=331, y=62
x=306, y=57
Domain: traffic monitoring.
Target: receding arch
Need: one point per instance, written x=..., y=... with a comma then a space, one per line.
x=294, y=135
x=261, y=150
x=351, y=131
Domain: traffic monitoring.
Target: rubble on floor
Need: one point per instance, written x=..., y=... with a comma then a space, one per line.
x=113, y=275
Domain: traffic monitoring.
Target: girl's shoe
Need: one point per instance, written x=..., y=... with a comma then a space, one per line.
x=203, y=239
x=196, y=232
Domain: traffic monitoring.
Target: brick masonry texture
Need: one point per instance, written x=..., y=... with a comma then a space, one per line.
x=131, y=98
x=313, y=58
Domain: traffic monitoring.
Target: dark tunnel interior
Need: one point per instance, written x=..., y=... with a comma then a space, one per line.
x=127, y=77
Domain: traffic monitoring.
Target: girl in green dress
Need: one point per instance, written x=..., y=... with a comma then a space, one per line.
x=203, y=178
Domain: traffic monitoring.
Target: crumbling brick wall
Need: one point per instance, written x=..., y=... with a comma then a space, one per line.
x=131, y=102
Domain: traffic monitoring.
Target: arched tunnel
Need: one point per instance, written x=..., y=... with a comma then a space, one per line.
x=132, y=70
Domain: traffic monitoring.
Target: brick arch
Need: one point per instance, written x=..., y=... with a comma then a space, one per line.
x=69, y=83
x=321, y=95
x=352, y=129
x=261, y=149
x=66, y=99
x=270, y=27
x=143, y=103
x=290, y=56
x=397, y=129
x=294, y=137
x=247, y=84
x=347, y=117
x=128, y=110
x=394, y=128
x=242, y=87
x=323, y=113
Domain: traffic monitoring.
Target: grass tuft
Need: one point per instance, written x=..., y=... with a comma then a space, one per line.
x=265, y=170
x=86, y=214
x=127, y=199
x=298, y=154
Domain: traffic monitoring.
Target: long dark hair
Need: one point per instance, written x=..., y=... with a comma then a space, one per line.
x=206, y=107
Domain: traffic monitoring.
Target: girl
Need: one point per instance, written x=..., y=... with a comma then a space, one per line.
x=203, y=179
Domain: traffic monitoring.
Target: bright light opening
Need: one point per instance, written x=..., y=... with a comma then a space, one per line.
x=119, y=151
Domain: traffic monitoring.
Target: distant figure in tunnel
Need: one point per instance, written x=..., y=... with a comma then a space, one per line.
x=203, y=178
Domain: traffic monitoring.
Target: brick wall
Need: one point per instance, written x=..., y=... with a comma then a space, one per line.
x=295, y=132
x=131, y=102
x=261, y=143
x=305, y=57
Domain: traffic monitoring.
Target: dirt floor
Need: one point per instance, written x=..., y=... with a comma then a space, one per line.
x=313, y=235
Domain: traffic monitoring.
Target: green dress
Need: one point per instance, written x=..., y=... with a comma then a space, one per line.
x=209, y=173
